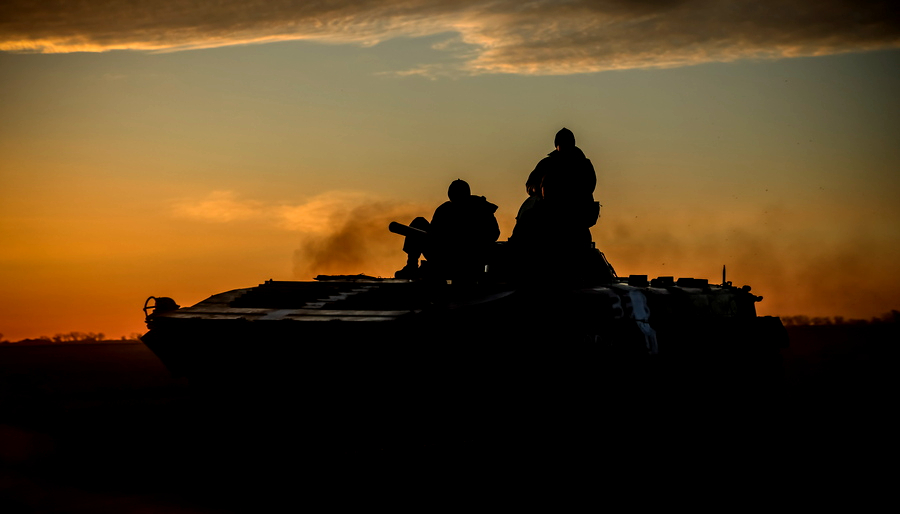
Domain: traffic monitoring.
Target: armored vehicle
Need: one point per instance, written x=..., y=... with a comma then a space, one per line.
x=385, y=345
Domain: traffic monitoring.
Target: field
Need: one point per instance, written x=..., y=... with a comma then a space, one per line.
x=104, y=428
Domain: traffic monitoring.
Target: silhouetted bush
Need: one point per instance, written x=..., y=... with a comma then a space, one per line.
x=74, y=338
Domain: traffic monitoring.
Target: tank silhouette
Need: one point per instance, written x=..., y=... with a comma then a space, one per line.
x=385, y=345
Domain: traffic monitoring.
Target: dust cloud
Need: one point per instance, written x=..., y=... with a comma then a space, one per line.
x=797, y=269
x=358, y=243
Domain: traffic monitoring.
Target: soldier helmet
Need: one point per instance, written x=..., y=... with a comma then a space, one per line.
x=564, y=138
x=459, y=190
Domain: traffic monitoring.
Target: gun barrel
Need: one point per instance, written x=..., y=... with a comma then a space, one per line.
x=406, y=230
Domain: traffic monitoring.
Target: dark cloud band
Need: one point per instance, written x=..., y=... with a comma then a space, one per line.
x=538, y=37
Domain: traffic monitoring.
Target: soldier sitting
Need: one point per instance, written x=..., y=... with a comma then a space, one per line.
x=457, y=240
x=553, y=225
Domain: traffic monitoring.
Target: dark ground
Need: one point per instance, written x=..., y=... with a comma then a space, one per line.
x=104, y=429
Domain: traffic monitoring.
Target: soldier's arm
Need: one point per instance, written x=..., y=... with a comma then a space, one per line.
x=533, y=184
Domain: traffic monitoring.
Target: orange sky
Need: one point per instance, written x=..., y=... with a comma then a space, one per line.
x=216, y=165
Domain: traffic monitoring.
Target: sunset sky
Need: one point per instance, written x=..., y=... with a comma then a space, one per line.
x=184, y=148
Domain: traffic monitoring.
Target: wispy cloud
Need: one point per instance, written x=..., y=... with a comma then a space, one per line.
x=220, y=207
x=508, y=36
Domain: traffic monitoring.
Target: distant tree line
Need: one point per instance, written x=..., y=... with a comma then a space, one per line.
x=889, y=317
x=73, y=338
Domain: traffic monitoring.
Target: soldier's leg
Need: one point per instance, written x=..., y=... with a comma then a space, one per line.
x=414, y=247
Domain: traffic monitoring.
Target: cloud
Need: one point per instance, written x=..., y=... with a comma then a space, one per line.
x=597, y=36
x=508, y=36
x=220, y=206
